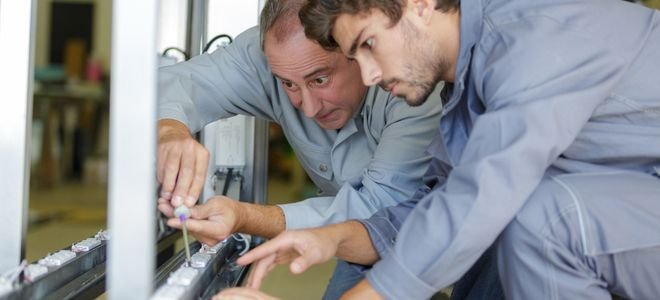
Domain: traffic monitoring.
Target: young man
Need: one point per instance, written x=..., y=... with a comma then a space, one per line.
x=363, y=147
x=551, y=122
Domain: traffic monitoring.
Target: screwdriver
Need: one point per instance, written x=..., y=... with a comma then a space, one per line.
x=183, y=213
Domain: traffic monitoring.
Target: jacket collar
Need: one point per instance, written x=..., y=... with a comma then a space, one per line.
x=471, y=20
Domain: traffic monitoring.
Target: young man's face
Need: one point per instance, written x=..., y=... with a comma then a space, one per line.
x=324, y=85
x=402, y=58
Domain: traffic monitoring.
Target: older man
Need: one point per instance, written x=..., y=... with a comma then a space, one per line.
x=551, y=124
x=362, y=147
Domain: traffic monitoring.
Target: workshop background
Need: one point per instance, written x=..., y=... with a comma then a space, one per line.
x=69, y=169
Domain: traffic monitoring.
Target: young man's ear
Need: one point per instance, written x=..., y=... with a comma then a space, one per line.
x=422, y=8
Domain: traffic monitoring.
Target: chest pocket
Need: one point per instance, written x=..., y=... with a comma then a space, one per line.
x=316, y=162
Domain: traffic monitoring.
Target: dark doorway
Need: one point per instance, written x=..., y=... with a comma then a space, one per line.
x=70, y=21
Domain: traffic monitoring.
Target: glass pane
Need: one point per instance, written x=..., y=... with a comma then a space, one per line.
x=69, y=157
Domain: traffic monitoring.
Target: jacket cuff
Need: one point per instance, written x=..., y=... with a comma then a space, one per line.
x=381, y=232
x=392, y=280
x=295, y=215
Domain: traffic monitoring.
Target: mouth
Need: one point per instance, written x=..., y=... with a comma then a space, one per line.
x=392, y=89
x=389, y=86
x=325, y=116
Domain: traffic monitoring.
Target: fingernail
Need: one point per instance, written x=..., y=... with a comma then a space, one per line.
x=166, y=195
x=295, y=267
x=191, y=200
x=177, y=200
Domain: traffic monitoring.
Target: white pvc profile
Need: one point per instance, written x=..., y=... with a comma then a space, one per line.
x=197, y=31
x=16, y=69
x=254, y=134
x=132, y=185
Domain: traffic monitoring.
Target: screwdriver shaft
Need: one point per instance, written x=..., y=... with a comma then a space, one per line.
x=185, y=241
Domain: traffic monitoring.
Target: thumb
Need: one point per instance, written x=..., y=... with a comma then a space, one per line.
x=299, y=265
x=202, y=211
x=195, y=226
x=208, y=231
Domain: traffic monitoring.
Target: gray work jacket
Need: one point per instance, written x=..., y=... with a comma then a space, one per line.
x=376, y=160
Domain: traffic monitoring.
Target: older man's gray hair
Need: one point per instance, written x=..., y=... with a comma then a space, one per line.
x=281, y=17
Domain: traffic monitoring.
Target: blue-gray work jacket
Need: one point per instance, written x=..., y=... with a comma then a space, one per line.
x=542, y=87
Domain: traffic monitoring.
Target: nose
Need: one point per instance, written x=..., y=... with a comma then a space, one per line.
x=310, y=105
x=371, y=72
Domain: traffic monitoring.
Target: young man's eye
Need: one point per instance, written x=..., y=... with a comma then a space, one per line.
x=369, y=43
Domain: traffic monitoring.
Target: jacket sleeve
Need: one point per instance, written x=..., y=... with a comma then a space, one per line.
x=384, y=225
x=232, y=80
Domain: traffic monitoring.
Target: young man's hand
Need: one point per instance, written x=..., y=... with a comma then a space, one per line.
x=362, y=290
x=300, y=248
x=303, y=248
x=242, y=293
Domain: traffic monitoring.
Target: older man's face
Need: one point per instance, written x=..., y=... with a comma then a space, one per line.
x=324, y=85
x=401, y=58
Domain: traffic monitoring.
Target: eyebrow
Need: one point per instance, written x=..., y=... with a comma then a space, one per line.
x=315, y=72
x=354, y=45
x=307, y=76
x=280, y=77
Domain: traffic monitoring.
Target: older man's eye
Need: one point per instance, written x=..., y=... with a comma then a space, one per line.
x=321, y=80
x=289, y=85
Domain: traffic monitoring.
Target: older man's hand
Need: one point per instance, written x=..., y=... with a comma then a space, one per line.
x=182, y=164
x=211, y=222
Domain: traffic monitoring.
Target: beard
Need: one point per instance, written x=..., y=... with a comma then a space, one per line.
x=422, y=88
x=425, y=67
